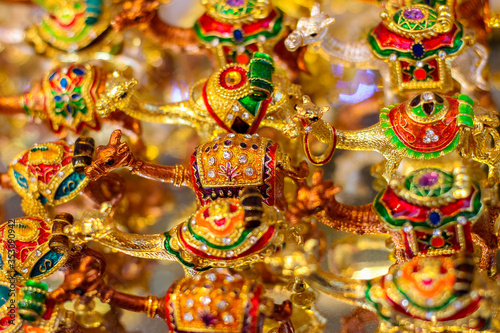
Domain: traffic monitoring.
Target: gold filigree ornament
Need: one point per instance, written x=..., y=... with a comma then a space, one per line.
x=76, y=27
x=223, y=233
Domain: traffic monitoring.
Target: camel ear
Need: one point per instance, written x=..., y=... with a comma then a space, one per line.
x=122, y=148
x=132, y=83
x=306, y=99
x=115, y=137
x=316, y=9
x=327, y=22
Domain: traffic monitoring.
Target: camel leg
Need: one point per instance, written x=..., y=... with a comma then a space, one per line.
x=132, y=128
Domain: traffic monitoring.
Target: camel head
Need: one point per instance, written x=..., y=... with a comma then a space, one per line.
x=114, y=155
x=117, y=94
x=309, y=29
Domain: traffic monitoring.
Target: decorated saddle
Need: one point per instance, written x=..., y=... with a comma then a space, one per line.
x=218, y=236
x=221, y=168
x=427, y=126
x=44, y=177
x=69, y=94
x=237, y=97
x=25, y=252
x=433, y=210
x=239, y=26
x=433, y=294
x=214, y=302
x=23, y=303
x=418, y=53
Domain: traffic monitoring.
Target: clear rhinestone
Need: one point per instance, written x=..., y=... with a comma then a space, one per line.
x=188, y=316
x=65, y=98
x=308, y=129
x=38, y=253
x=33, y=179
x=457, y=305
x=426, y=139
x=408, y=227
x=231, y=135
x=25, y=270
x=211, y=277
x=211, y=160
x=393, y=57
x=61, y=174
x=214, y=42
x=261, y=38
x=227, y=154
x=228, y=318
x=249, y=171
x=437, y=232
x=442, y=54
x=193, y=222
x=420, y=64
x=247, y=136
x=229, y=278
x=245, y=115
x=48, y=191
x=236, y=108
x=389, y=277
x=404, y=302
x=230, y=253
x=203, y=247
x=226, y=240
x=205, y=300
x=428, y=96
x=255, y=135
x=429, y=132
x=435, y=138
x=242, y=159
x=211, y=173
x=184, y=228
x=230, y=117
x=429, y=315
x=222, y=305
x=462, y=220
x=252, y=240
x=189, y=303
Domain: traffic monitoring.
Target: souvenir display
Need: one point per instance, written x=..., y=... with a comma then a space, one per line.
x=236, y=199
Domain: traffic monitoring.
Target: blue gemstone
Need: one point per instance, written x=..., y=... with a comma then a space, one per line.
x=434, y=218
x=51, y=77
x=64, y=83
x=417, y=50
x=57, y=98
x=76, y=96
x=238, y=35
x=69, y=109
x=78, y=71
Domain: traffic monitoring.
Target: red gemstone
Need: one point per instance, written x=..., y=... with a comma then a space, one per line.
x=437, y=241
x=242, y=58
x=420, y=74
